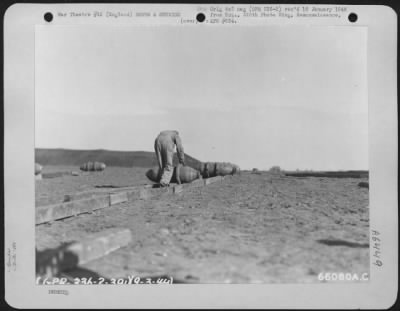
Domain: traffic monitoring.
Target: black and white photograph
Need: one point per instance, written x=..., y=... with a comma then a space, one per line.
x=282, y=110
x=202, y=151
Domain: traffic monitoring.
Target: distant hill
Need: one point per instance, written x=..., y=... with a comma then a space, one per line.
x=109, y=157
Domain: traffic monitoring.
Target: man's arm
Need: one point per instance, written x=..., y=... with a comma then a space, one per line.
x=179, y=149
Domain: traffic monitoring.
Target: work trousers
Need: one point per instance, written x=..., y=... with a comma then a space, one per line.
x=165, y=152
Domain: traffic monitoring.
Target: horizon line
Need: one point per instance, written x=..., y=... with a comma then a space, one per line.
x=263, y=169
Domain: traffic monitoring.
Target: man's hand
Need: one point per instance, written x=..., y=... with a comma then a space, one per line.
x=182, y=162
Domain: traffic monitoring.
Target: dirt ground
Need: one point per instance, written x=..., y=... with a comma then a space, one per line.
x=52, y=190
x=251, y=228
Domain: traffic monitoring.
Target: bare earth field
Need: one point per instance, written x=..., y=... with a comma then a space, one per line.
x=52, y=190
x=250, y=228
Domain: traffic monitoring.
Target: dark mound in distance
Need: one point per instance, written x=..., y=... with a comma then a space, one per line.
x=109, y=157
x=331, y=174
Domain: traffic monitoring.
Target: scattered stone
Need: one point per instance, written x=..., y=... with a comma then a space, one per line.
x=160, y=254
x=164, y=231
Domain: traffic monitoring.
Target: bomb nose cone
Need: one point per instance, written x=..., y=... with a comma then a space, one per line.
x=149, y=174
x=153, y=174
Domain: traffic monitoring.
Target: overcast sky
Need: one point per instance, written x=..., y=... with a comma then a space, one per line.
x=256, y=96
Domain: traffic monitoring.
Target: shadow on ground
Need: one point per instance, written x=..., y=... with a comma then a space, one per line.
x=343, y=243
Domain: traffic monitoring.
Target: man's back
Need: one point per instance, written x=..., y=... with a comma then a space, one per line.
x=169, y=139
x=169, y=134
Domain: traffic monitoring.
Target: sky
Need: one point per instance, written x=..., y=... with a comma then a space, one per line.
x=257, y=96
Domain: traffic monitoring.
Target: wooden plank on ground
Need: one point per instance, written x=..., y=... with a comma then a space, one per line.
x=99, y=199
x=55, y=174
x=97, y=192
x=116, y=198
x=114, y=187
x=72, y=205
x=100, y=244
x=194, y=184
x=75, y=206
x=213, y=180
x=63, y=210
x=80, y=195
x=157, y=192
x=144, y=194
x=177, y=189
x=51, y=262
x=150, y=192
x=133, y=194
